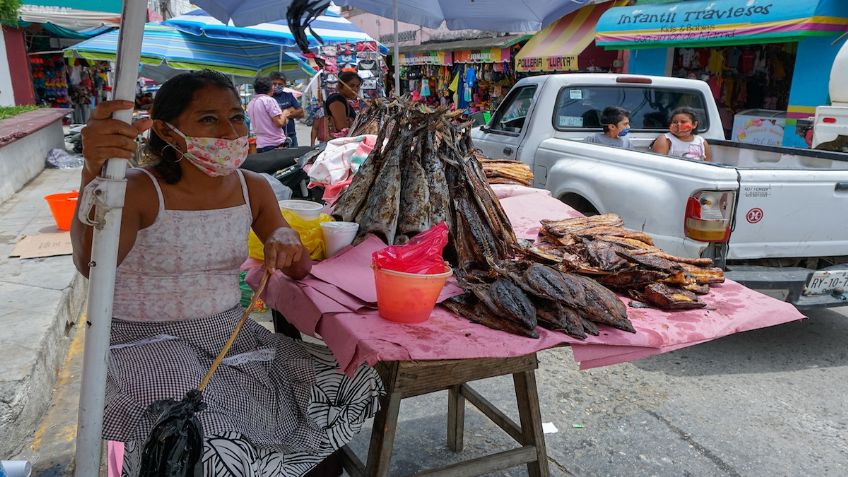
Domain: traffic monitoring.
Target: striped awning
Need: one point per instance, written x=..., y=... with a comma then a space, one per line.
x=331, y=27
x=557, y=46
x=166, y=45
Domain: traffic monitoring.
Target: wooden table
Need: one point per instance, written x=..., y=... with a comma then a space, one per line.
x=405, y=379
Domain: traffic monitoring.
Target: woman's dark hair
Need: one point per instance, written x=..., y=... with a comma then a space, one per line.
x=276, y=75
x=687, y=111
x=262, y=85
x=347, y=76
x=613, y=115
x=171, y=100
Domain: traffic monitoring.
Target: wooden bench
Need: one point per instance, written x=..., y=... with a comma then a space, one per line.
x=404, y=379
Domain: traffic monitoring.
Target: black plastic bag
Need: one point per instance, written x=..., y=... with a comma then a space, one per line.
x=175, y=446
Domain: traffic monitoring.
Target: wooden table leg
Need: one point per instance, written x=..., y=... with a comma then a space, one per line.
x=385, y=426
x=531, y=421
x=456, y=418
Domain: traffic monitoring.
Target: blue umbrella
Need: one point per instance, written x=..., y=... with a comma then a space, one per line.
x=164, y=45
x=331, y=27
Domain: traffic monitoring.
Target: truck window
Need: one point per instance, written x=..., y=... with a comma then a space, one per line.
x=580, y=107
x=510, y=116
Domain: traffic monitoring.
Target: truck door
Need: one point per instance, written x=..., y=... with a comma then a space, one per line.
x=501, y=138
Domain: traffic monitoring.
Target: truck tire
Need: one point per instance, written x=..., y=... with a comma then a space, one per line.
x=580, y=204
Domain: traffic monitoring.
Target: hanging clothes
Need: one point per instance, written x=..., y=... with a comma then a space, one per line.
x=716, y=62
x=733, y=55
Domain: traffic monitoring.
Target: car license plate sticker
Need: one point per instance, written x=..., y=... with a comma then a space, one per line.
x=824, y=282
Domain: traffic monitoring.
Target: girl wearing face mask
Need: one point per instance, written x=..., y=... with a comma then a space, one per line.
x=681, y=140
x=183, y=238
x=616, y=122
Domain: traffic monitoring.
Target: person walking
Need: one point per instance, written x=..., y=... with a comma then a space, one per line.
x=287, y=102
x=267, y=120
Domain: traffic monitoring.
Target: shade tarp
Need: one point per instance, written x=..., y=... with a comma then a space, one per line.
x=486, y=15
x=720, y=22
x=178, y=50
x=557, y=47
x=331, y=27
x=68, y=17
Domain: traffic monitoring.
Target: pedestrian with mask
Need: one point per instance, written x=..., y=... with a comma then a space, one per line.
x=287, y=102
x=267, y=120
x=616, y=123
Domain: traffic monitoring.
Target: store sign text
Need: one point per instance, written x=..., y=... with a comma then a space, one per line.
x=695, y=15
x=551, y=63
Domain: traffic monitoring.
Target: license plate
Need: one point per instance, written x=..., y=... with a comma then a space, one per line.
x=824, y=282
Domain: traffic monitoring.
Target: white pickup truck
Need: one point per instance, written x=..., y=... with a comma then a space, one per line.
x=776, y=218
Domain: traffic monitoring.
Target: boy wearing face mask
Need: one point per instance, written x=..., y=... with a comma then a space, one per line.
x=616, y=122
x=287, y=102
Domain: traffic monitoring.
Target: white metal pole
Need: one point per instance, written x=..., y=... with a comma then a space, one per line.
x=280, y=63
x=396, y=48
x=109, y=193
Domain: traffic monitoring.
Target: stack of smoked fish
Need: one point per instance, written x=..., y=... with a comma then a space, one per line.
x=427, y=173
x=626, y=261
x=506, y=172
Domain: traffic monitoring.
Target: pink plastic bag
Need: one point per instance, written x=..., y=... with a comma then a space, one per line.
x=423, y=254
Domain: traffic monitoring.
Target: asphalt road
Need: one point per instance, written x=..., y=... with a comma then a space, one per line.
x=768, y=402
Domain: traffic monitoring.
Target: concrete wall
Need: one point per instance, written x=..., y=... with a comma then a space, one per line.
x=7, y=94
x=24, y=159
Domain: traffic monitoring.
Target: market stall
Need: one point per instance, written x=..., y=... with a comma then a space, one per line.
x=568, y=45
x=471, y=74
x=765, y=55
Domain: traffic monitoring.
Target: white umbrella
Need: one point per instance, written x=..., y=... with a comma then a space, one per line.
x=108, y=193
x=489, y=15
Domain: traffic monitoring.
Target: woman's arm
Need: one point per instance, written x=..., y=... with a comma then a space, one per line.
x=283, y=248
x=338, y=110
x=103, y=139
x=661, y=145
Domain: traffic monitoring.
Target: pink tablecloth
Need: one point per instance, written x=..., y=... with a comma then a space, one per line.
x=355, y=333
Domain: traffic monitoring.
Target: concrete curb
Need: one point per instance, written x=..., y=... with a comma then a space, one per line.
x=40, y=301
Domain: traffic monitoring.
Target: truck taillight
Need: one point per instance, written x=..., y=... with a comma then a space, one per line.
x=708, y=216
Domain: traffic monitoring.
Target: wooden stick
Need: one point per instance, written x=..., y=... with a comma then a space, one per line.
x=235, y=333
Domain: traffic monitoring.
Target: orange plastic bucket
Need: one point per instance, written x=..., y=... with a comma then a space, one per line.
x=62, y=206
x=408, y=297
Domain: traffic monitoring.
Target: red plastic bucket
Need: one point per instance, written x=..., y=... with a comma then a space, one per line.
x=408, y=297
x=62, y=206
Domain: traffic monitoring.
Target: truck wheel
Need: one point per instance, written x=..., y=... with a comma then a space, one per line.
x=580, y=204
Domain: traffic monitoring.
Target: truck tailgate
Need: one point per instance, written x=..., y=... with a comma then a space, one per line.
x=790, y=213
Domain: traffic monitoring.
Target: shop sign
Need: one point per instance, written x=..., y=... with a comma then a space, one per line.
x=427, y=58
x=753, y=129
x=706, y=22
x=550, y=63
x=492, y=55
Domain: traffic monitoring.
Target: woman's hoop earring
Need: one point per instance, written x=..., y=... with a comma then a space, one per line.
x=175, y=150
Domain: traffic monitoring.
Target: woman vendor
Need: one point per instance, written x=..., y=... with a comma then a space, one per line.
x=281, y=406
x=337, y=106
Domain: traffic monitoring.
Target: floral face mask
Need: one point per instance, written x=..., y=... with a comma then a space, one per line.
x=214, y=156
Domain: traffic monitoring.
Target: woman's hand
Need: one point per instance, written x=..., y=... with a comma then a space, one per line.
x=284, y=251
x=104, y=138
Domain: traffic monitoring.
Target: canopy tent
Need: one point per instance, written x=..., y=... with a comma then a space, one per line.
x=719, y=22
x=487, y=15
x=72, y=14
x=331, y=27
x=559, y=45
x=182, y=51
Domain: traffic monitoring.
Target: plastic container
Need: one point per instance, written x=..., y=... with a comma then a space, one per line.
x=62, y=206
x=337, y=235
x=408, y=297
x=305, y=209
x=15, y=468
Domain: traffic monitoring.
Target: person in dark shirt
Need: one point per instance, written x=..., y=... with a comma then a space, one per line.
x=287, y=102
x=337, y=106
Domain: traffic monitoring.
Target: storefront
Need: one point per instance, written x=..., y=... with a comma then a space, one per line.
x=767, y=61
x=568, y=45
x=472, y=74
